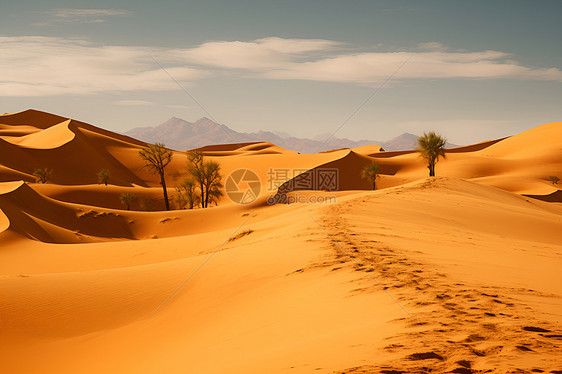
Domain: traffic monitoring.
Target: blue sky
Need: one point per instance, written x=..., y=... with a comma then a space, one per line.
x=473, y=70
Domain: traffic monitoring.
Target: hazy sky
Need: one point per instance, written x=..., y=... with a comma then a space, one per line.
x=473, y=70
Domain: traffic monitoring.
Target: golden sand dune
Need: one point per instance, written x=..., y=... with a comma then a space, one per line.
x=41, y=218
x=31, y=118
x=102, y=196
x=457, y=273
x=519, y=164
x=409, y=277
x=75, y=151
x=244, y=148
x=51, y=137
x=38, y=217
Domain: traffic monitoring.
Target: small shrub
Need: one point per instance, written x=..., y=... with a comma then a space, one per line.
x=553, y=179
x=103, y=176
x=42, y=175
x=186, y=196
x=127, y=199
x=146, y=203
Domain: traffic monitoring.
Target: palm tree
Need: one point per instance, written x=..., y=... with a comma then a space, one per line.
x=431, y=145
x=156, y=157
x=103, y=176
x=371, y=173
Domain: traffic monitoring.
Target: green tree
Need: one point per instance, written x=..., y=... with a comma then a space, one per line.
x=42, y=175
x=207, y=177
x=431, y=145
x=127, y=199
x=371, y=173
x=156, y=157
x=103, y=176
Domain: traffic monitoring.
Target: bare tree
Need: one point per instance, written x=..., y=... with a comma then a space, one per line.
x=206, y=174
x=215, y=194
x=156, y=157
x=431, y=145
x=186, y=195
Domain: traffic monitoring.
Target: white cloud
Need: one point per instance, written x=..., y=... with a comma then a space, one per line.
x=133, y=102
x=316, y=59
x=267, y=53
x=373, y=67
x=54, y=16
x=433, y=46
x=174, y=106
x=70, y=12
x=39, y=66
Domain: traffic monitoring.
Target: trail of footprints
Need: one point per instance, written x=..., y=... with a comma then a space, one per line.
x=452, y=327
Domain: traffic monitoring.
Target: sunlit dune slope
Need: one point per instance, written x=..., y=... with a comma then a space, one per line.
x=439, y=267
x=51, y=137
x=521, y=163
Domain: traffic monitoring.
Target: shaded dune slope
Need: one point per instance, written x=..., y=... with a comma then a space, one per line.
x=75, y=151
x=32, y=215
x=41, y=218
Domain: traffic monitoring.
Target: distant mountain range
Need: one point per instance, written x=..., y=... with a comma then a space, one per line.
x=182, y=135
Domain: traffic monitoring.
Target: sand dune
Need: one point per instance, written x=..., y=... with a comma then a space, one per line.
x=31, y=118
x=274, y=301
x=519, y=164
x=40, y=218
x=458, y=273
x=51, y=137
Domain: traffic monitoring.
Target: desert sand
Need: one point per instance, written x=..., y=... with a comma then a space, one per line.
x=457, y=273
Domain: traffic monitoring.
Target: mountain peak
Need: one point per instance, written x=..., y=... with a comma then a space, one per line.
x=180, y=134
x=205, y=122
